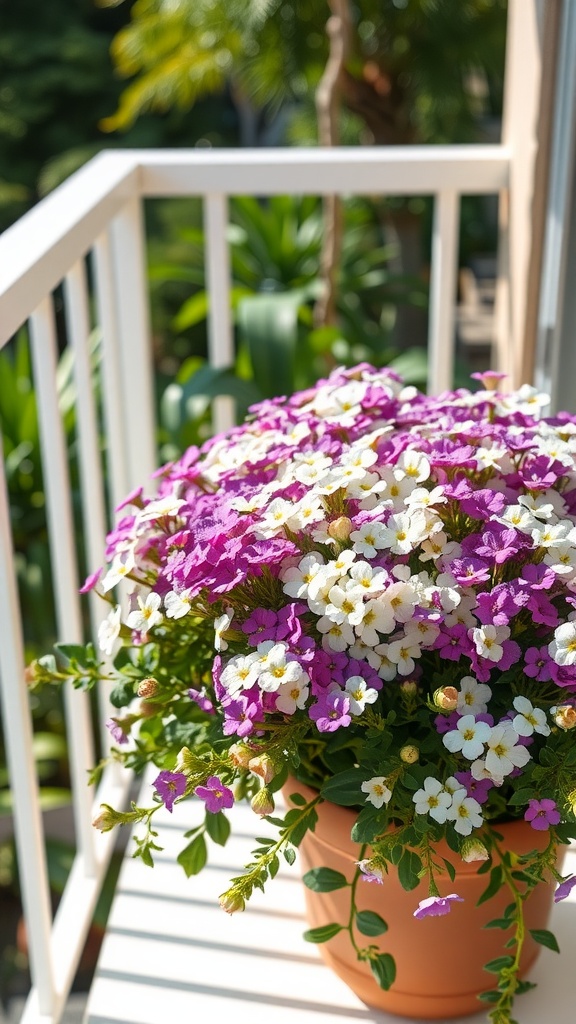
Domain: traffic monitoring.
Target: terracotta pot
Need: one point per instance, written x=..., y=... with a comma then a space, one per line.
x=439, y=960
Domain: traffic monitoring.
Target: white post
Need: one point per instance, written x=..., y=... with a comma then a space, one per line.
x=220, y=337
x=443, y=292
x=63, y=559
x=133, y=327
x=23, y=782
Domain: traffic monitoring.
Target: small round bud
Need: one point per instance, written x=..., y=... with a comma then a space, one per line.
x=473, y=849
x=564, y=716
x=409, y=754
x=409, y=687
x=263, y=767
x=340, y=529
x=263, y=803
x=148, y=687
x=446, y=698
x=231, y=903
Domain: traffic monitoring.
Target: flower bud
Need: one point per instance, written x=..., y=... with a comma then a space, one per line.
x=263, y=803
x=446, y=698
x=106, y=819
x=340, y=529
x=409, y=754
x=409, y=687
x=148, y=687
x=473, y=849
x=240, y=755
x=231, y=902
x=263, y=767
x=564, y=716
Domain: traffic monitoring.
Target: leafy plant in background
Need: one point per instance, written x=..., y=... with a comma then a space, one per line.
x=275, y=248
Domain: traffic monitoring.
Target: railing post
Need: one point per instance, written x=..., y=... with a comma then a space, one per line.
x=23, y=781
x=220, y=337
x=134, y=341
x=443, y=291
x=63, y=558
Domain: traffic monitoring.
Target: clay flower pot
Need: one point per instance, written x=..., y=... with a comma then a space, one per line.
x=439, y=960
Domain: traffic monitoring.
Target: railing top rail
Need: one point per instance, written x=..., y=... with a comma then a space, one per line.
x=37, y=252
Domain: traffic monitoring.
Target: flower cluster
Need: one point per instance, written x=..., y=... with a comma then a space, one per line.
x=373, y=591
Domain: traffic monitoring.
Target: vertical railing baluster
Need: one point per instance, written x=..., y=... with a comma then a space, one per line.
x=64, y=566
x=134, y=341
x=444, y=258
x=220, y=337
x=89, y=461
x=23, y=781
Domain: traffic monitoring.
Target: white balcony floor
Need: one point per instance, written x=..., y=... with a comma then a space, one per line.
x=171, y=954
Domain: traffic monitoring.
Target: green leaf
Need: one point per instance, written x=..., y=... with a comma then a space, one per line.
x=344, y=788
x=193, y=857
x=493, y=886
x=298, y=799
x=408, y=868
x=289, y=855
x=268, y=323
x=324, y=880
x=489, y=997
x=122, y=693
x=384, y=970
x=545, y=938
x=450, y=869
x=499, y=922
x=323, y=933
x=370, y=923
x=368, y=825
x=218, y=827
x=497, y=965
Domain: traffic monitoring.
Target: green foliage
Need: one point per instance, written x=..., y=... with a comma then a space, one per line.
x=324, y=880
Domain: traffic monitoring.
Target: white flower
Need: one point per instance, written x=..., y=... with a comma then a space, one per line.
x=488, y=641
x=465, y=812
x=503, y=753
x=401, y=598
x=562, y=559
x=167, y=505
x=297, y=579
x=122, y=565
x=221, y=624
x=359, y=694
x=468, y=737
x=404, y=531
x=240, y=673
x=308, y=510
x=403, y=652
x=274, y=519
x=421, y=497
x=368, y=540
x=377, y=790
x=473, y=697
x=519, y=517
x=529, y=719
x=293, y=695
x=563, y=646
x=377, y=619
x=147, y=614
x=415, y=465
x=278, y=671
x=176, y=605
x=372, y=580
x=552, y=536
x=337, y=636
x=433, y=800
x=109, y=631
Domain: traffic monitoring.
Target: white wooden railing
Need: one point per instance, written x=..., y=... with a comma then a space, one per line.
x=96, y=216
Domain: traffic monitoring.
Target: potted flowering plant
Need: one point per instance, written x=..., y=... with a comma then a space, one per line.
x=366, y=596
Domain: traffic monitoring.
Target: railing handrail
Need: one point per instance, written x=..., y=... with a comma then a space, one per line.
x=37, y=251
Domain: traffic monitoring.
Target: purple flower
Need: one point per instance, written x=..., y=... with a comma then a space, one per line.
x=199, y=697
x=565, y=888
x=540, y=577
x=453, y=643
x=90, y=582
x=498, y=544
x=260, y=626
x=542, y=813
x=169, y=786
x=483, y=503
x=117, y=729
x=537, y=664
x=370, y=873
x=469, y=571
x=240, y=715
x=436, y=906
x=477, y=788
x=215, y=795
x=331, y=711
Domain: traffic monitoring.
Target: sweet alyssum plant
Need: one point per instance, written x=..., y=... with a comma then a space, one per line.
x=373, y=591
